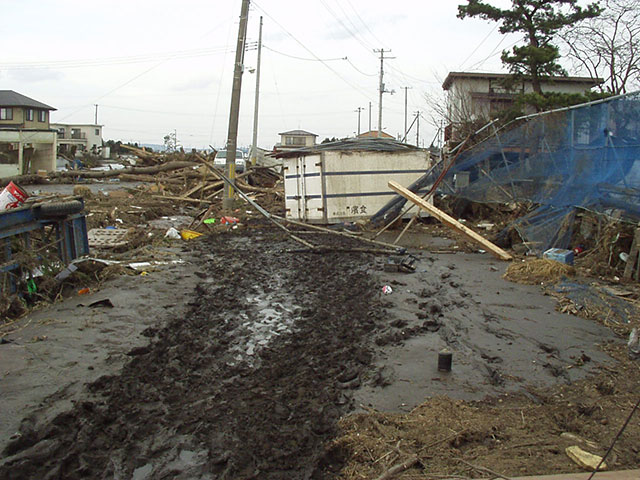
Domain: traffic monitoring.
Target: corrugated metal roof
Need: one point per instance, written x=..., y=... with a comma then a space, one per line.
x=9, y=98
x=352, y=145
x=298, y=132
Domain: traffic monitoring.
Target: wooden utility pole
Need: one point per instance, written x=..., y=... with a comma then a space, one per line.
x=232, y=137
x=418, y=128
x=96, y=121
x=404, y=134
x=369, y=116
x=381, y=89
x=254, y=143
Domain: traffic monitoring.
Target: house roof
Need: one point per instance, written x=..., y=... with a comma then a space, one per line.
x=352, y=145
x=374, y=134
x=591, y=82
x=298, y=132
x=9, y=98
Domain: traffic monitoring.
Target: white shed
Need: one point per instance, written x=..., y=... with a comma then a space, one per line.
x=347, y=180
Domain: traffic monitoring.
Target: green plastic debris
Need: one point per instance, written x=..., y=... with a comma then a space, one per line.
x=209, y=221
x=31, y=286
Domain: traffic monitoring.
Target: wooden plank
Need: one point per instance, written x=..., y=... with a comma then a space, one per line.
x=633, y=257
x=450, y=221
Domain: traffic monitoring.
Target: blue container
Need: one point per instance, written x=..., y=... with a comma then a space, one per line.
x=559, y=255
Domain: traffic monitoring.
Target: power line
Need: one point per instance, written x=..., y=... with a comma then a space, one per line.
x=303, y=58
x=479, y=45
x=311, y=52
x=130, y=80
x=346, y=28
x=108, y=61
x=378, y=41
x=494, y=53
x=358, y=70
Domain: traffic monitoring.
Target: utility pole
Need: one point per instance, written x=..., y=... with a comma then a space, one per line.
x=96, y=121
x=382, y=89
x=369, y=116
x=359, y=109
x=404, y=135
x=418, y=128
x=254, y=145
x=234, y=113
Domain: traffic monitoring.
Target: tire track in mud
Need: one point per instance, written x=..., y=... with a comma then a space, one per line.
x=250, y=384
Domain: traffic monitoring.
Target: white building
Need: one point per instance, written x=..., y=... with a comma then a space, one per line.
x=295, y=139
x=473, y=96
x=86, y=137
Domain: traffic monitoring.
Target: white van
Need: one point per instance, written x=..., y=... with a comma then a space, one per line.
x=221, y=160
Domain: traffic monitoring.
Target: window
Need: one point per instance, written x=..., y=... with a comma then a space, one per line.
x=61, y=132
x=6, y=113
x=295, y=141
x=42, y=116
x=97, y=132
x=28, y=115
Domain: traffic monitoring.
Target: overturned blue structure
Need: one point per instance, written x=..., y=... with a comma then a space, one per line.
x=587, y=157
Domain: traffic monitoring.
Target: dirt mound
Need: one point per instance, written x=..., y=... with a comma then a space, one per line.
x=540, y=270
x=250, y=384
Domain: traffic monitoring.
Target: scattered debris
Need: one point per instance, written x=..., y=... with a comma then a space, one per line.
x=585, y=460
x=101, y=303
x=634, y=344
x=538, y=271
x=450, y=221
x=560, y=255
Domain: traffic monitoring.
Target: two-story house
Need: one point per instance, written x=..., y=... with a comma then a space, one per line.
x=473, y=96
x=86, y=137
x=27, y=143
x=295, y=139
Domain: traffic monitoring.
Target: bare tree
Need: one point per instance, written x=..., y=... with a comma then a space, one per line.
x=608, y=46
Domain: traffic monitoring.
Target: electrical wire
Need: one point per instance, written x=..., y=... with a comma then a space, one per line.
x=303, y=58
x=479, y=45
x=367, y=47
x=358, y=70
x=373, y=35
x=615, y=440
x=108, y=61
x=494, y=53
x=355, y=87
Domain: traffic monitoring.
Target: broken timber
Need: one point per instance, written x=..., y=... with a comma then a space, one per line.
x=634, y=258
x=450, y=221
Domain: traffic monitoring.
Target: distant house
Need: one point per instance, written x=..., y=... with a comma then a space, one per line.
x=474, y=96
x=295, y=139
x=374, y=134
x=27, y=143
x=86, y=137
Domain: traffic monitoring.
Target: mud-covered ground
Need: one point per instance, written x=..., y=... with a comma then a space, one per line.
x=250, y=383
x=256, y=376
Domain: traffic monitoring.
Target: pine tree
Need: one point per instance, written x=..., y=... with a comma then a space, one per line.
x=540, y=21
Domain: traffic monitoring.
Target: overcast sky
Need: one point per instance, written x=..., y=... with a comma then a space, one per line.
x=155, y=66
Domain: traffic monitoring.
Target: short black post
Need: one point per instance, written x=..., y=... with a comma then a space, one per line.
x=445, y=359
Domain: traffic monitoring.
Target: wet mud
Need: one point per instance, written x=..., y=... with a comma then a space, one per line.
x=275, y=348
x=250, y=383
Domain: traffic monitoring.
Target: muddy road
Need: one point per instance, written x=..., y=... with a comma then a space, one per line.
x=249, y=384
x=249, y=377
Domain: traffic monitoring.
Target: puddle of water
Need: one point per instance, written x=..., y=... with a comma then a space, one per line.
x=266, y=319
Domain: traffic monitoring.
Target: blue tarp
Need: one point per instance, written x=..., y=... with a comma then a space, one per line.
x=586, y=156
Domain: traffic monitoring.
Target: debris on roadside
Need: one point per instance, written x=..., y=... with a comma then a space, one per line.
x=538, y=271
